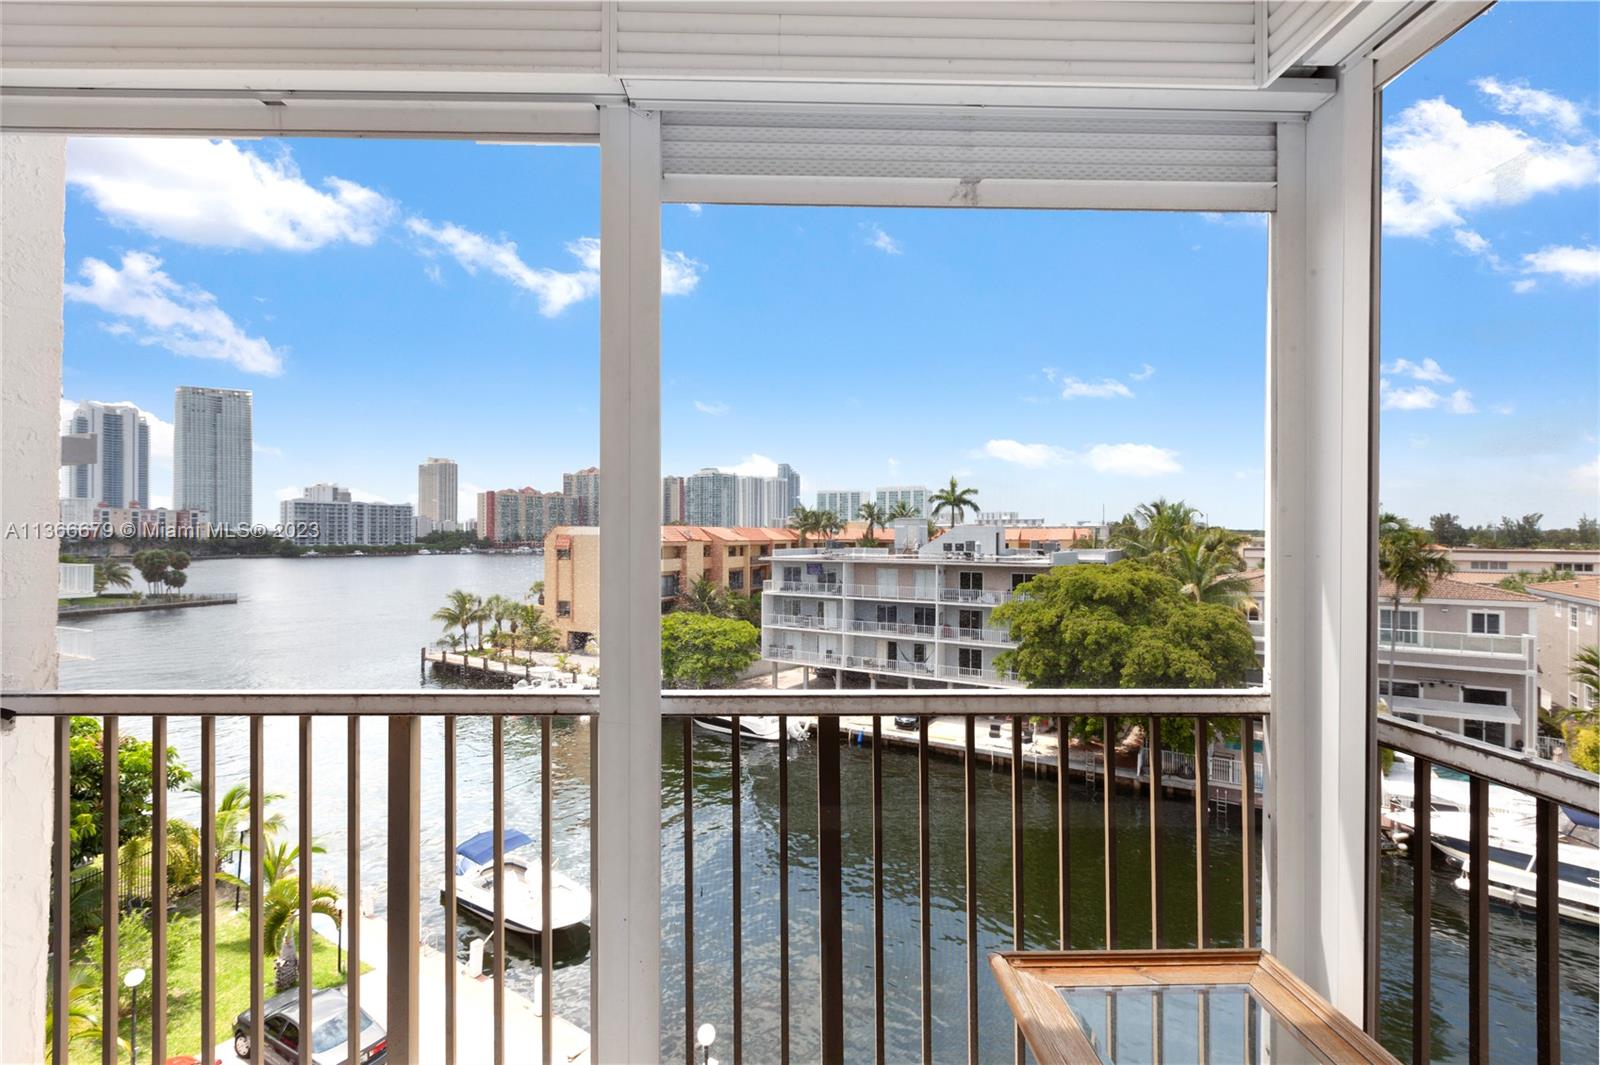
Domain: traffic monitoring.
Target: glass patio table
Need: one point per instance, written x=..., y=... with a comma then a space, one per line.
x=1139, y=1007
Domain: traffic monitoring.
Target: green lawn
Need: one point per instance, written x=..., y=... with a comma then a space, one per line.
x=183, y=976
x=101, y=600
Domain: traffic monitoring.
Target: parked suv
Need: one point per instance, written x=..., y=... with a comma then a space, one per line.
x=330, y=1013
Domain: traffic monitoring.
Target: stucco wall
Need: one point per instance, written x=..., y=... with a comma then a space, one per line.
x=32, y=191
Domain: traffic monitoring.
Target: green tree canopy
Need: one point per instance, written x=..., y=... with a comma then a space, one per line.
x=702, y=651
x=1122, y=626
x=135, y=764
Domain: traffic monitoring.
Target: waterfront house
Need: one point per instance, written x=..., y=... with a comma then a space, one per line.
x=1230, y=106
x=1568, y=623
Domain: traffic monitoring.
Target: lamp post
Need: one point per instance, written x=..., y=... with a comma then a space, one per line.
x=132, y=981
x=704, y=1036
x=338, y=924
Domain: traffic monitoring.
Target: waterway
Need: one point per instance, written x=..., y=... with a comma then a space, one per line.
x=358, y=622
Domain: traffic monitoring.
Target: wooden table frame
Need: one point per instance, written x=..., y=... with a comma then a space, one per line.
x=1031, y=981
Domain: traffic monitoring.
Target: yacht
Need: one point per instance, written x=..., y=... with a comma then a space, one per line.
x=474, y=872
x=763, y=728
x=1511, y=876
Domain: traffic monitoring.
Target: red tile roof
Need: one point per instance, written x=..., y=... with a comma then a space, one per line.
x=1447, y=588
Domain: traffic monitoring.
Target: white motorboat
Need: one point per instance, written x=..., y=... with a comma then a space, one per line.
x=767, y=729
x=474, y=872
x=1511, y=877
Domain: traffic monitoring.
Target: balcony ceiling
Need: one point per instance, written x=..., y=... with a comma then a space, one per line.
x=886, y=53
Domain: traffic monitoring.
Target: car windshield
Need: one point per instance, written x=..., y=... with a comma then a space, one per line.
x=335, y=1031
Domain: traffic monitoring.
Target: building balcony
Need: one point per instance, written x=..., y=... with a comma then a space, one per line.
x=800, y=621
x=1431, y=642
x=832, y=589
x=892, y=628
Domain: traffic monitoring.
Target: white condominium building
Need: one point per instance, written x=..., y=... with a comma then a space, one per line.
x=847, y=505
x=918, y=613
x=120, y=474
x=584, y=489
x=913, y=495
x=212, y=464
x=436, y=491
x=672, y=500
x=711, y=497
x=325, y=515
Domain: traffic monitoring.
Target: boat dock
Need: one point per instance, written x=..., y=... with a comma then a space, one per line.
x=538, y=666
x=1041, y=754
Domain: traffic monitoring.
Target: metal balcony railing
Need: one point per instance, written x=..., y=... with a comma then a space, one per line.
x=403, y=1005
x=860, y=716
x=1519, y=875
x=1461, y=643
x=801, y=621
x=892, y=628
x=803, y=587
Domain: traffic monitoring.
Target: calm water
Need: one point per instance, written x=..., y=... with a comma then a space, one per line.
x=358, y=623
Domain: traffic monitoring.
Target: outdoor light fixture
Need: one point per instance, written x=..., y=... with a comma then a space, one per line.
x=132, y=981
x=704, y=1036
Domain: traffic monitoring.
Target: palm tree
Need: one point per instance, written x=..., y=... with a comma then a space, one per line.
x=703, y=597
x=233, y=818
x=457, y=612
x=1208, y=567
x=1586, y=668
x=281, y=914
x=803, y=520
x=1155, y=527
x=536, y=591
x=83, y=993
x=828, y=524
x=480, y=614
x=1410, y=563
x=112, y=572
x=900, y=510
x=874, y=516
x=956, y=500
x=498, y=609
x=540, y=635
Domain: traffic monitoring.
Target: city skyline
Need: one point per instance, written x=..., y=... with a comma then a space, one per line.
x=1018, y=351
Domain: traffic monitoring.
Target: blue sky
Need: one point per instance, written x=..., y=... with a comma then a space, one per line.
x=391, y=300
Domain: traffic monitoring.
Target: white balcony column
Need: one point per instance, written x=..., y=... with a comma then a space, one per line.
x=625, y=986
x=32, y=205
x=1321, y=536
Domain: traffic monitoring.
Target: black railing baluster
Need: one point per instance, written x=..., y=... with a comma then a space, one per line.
x=783, y=891
x=1017, y=913
x=1108, y=769
x=924, y=897
x=208, y=885
x=304, y=874
x=688, y=890
x=352, y=891
x=1478, y=925
x=877, y=892
x=1547, y=934
x=1422, y=913
x=830, y=891
x=498, y=826
x=1247, y=838
x=110, y=887
x=970, y=823
x=257, y=879
x=736, y=874
x=547, y=964
x=1063, y=881
x=61, y=893
x=158, y=889
x=1153, y=756
x=450, y=961
x=1202, y=832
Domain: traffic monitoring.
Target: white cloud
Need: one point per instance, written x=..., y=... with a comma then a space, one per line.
x=1517, y=98
x=1439, y=166
x=184, y=320
x=1426, y=370
x=266, y=449
x=1253, y=219
x=877, y=238
x=755, y=465
x=433, y=273
x=713, y=408
x=1420, y=397
x=1523, y=287
x=1105, y=388
x=1133, y=460
x=1143, y=373
x=694, y=208
x=217, y=194
x=1575, y=266
x=556, y=289
x=1032, y=456
x=679, y=273
x=1461, y=402
x=1587, y=476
